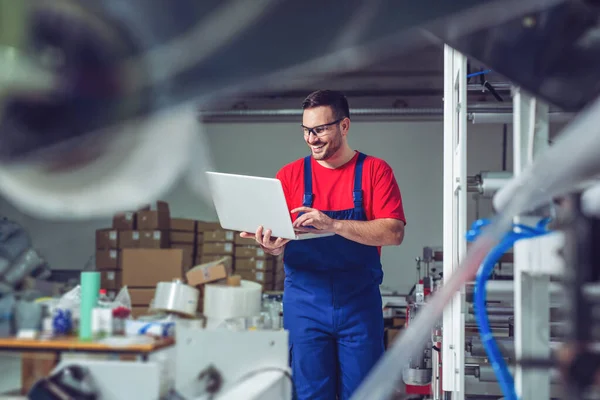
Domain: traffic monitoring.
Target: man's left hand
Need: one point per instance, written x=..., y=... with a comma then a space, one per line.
x=312, y=218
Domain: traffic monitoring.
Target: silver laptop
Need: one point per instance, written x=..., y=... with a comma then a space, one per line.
x=243, y=203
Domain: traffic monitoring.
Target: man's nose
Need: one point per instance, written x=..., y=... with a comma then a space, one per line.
x=312, y=138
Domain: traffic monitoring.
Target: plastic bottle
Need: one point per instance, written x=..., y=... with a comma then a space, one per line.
x=103, y=299
x=102, y=324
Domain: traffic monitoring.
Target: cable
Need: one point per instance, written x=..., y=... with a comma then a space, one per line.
x=487, y=71
x=519, y=231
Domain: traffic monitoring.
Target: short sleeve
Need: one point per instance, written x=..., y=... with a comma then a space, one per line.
x=387, y=199
x=283, y=176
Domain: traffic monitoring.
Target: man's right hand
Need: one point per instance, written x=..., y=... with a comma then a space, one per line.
x=263, y=238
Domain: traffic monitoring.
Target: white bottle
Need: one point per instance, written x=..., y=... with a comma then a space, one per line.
x=102, y=323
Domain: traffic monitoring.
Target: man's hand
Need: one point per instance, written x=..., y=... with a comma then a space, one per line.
x=312, y=218
x=269, y=245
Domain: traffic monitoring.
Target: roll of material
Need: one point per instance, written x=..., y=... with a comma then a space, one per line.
x=222, y=302
x=176, y=297
x=491, y=182
x=90, y=286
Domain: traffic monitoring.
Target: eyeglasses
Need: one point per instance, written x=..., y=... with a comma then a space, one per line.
x=320, y=130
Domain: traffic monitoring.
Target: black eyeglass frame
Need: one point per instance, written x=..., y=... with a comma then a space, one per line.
x=307, y=131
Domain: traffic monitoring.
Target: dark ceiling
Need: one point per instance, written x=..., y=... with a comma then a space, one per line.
x=414, y=80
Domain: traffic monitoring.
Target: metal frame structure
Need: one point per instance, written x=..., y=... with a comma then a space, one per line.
x=455, y=216
x=531, y=288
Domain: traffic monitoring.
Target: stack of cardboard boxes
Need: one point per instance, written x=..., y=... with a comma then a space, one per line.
x=253, y=264
x=143, y=248
x=147, y=246
x=216, y=242
x=247, y=258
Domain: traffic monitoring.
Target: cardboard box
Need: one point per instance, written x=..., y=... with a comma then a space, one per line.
x=188, y=253
x=209, y=272
x=256, y=276
x=249, y=252
x=183, y=224
x=218, y=236
x=159, y=219
x=154, y=240
x=124, y=221
x=182, y=237
x=129, y=239
x=141, y=296
x=107, y=259
x=110, y=280
x=240, y=241
x=217, y=248
x=254, y=264
x=107, y=239
x=203, y=226
x=147, y=267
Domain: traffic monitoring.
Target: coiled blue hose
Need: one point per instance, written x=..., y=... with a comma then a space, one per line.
x=519, y=231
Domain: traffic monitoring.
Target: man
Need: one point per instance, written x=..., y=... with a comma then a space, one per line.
x=332, y=304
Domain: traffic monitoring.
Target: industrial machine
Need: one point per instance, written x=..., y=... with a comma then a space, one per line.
x=417, y=376
x=88, y=89
x=198, y=367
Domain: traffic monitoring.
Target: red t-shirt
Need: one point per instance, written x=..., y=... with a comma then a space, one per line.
x=332, y=188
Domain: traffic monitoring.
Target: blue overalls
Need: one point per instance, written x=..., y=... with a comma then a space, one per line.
x=332, y=305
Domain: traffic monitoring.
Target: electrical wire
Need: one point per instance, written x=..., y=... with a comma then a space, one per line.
x=519, y=231
x=474, y=74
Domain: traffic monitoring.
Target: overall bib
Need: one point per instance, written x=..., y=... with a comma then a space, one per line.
x=332, y=305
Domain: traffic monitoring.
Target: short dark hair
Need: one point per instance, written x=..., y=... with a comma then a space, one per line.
x=332, y=98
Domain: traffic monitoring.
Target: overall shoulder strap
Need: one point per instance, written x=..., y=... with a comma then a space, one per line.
x=307, y=199
x=357, y=193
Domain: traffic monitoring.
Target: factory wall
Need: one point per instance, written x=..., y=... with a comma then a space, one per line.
x=413, y=149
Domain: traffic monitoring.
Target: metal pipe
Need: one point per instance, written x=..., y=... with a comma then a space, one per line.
x=507, y=118
x=494, y=310
x=494, y=319
x=502, y=291
x=491, y=182
x=476, y=114
x=487, y=374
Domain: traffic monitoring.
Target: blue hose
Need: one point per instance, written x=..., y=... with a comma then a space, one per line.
x=519, y=231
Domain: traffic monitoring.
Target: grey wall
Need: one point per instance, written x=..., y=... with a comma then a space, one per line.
x=413, y=149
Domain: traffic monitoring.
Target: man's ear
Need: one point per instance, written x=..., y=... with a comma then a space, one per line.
x=345, y=125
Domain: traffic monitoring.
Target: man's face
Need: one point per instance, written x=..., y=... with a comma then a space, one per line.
x=329, y=139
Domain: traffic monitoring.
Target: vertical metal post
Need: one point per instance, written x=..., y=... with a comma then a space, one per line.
x=531, y=291
x=455, y=215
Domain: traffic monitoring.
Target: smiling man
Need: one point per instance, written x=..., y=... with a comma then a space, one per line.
x=332, y=304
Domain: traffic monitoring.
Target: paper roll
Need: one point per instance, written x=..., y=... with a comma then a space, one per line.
x=90, y=286
x=222, y=302
x=176, y=297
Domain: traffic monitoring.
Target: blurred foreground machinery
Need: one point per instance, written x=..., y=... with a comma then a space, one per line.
x=100, y=93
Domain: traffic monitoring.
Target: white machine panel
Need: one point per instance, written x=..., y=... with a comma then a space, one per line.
x=237, y=356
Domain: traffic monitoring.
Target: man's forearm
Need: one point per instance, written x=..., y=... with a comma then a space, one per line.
x=379, y=232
